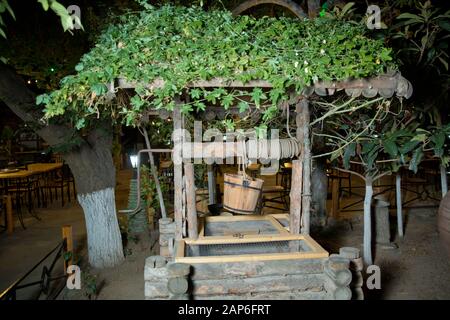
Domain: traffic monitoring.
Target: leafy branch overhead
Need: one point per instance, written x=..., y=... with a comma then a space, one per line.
x=180, y=45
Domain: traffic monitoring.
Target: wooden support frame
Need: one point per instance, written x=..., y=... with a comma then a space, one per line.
x=190, y=201
x=269, y=218
x=178, y=176
x=317, y=252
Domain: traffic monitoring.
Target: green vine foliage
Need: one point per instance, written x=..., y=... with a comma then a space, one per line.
x=180, y=45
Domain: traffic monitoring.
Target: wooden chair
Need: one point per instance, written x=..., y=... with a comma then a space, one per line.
x=61, y=181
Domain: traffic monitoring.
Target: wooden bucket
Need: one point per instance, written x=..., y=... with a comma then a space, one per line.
x=241, y=194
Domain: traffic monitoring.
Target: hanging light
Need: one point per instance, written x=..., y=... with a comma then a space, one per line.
x=134, y=161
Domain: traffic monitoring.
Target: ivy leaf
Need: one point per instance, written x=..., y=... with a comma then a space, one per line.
x=99, y=89
x=195, y=93
x=227, y=101
x=200, y=106
x=186, y=108
x=257, y=95
x=243, y=106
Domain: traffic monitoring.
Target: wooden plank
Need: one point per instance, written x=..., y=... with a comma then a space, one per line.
x=296, y=197
x=270, y=284
x=279, y=295
x=178, y=177
x=192, y=220
x=277, y=225
x=258, y=257
x=180, y=249
x=315, y=247
x=380, y=82
x=249, y=217
x=205, y=271
x=244, y=238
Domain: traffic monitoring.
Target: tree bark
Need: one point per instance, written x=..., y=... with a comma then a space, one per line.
x=91, y=164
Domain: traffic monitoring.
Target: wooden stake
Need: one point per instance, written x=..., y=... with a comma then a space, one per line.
x=190, y=201
x=67, y=234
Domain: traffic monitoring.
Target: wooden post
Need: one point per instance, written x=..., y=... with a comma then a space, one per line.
x=67, y=234
x=444, y=186
x=155, y=174
x=192, y=223
x=9, y=214
x=335, y=198
x=398, y=193
x=306, y=200
x=211, y=184
x=178, y=173
x=296, y=197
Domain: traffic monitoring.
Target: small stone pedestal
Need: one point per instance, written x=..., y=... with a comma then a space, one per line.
x=382, y=226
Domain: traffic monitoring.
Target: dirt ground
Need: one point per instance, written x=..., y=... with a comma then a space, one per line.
x=418, y=269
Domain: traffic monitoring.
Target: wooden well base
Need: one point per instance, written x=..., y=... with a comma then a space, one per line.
x=249, y=257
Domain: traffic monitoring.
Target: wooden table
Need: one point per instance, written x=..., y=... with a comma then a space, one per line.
x=32, y=170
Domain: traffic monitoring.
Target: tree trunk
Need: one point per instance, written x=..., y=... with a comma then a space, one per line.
x=91, y=164
x=103, y=234
x=368, y=222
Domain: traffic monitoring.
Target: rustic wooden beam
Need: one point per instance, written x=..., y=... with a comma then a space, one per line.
x=178, y=176
x=306, y=196
x=192, y=222
x=295, y=212
x=393, y=82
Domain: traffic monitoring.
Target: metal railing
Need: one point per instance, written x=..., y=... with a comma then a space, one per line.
x=47, y=286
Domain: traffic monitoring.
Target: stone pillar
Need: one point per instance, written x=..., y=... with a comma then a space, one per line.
x=166, y=236
x=155, y=277
x=382, y=226
x=356, y=268
x=178, y=281
x=337, y=278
